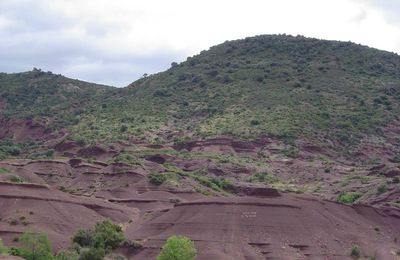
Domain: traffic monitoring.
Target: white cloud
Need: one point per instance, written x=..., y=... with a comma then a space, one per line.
x=88, y=38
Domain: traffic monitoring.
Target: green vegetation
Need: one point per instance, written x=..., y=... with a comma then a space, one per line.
x=263, y=177
x=350, y=178
x=16, y=179
x=178, y=248
x=157, y=178
x=3, y=249
x=3, y=170
x=278, y=85
x=91, y=244
x=381, y=189
x=105, y=236
x=348, y=197
x=355, y=252
x=34, y=246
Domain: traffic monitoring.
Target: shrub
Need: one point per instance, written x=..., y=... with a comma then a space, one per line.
x=123, y=128
x=263, y=177
x=355, y=252
x=178, y=248
x=84, y=238
x=15, y=251
x=157, y=178
x=222, y=183
x=382, y=189
x=254, y=122
x=66, y=255
x=348, y=197
x=16, y=179
x=3, y=170
x=92, y=254
x=35, y=246
x=106, y=235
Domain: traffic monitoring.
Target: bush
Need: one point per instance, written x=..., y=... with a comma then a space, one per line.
x=123, y=128
x=157, y=178
x=348, y=197
x=35, y=246
x=106, y=235
x=84, y=238
x=355, y=252
x=15, y=251
x=16, y=179
x=92, y=254
x=178, y=248
x=222, y=183
x=263, y=177
x=382, y=189
x=66, y=255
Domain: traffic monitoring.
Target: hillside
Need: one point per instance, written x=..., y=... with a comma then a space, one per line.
x=283, y=86
x=269, y=147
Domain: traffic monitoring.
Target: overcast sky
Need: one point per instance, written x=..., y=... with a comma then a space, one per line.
x=116, y=41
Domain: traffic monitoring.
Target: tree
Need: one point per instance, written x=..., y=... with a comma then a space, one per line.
x=35, y=246
x=105, y=235
x=178, y=248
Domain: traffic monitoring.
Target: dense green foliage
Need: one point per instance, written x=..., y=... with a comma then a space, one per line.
x=105, y=235
x=35, y=246
x=348, y=197
x=157, y=178
x=178, y=248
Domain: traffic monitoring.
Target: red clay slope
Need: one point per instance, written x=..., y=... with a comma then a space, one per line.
x=58, y=214
x=287, y=227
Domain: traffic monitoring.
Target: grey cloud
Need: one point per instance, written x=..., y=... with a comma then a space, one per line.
x=38, y=37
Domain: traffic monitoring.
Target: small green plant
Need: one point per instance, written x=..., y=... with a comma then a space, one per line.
x=382, y=189
x=66, y=255
x=92, y=254
x=348, y=197
x=157, y=178
x=355, y=252
x=263, y=177
x=222, y=183
x=3, y=170
x=16, y=179
x=178, y=248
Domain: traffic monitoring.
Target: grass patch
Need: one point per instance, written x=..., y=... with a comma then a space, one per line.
x=3, y=170
x=263, y=177
x=348, y=197
x=16, y=179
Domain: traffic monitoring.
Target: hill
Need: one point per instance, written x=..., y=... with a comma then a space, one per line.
x=250, y=148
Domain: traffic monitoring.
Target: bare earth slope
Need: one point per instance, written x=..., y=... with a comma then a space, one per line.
x=287, y=227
